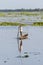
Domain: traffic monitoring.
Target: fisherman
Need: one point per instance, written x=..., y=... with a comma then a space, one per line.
x=20, y=29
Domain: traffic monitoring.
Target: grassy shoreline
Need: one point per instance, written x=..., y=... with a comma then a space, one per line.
x=37, y=24
x=17, y=24
x=11, y=24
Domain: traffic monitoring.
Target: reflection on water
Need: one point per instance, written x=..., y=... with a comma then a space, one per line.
x=20, y=48
x=34, y=53
x=12, y=54
x=19, y=45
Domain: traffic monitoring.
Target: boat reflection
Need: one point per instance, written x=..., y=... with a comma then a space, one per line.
x=20, y=48
x=19, y=45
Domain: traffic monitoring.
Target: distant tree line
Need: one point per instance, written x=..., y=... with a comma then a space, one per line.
x=20, y=10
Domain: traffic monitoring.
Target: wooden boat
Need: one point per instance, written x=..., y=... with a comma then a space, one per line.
x=25, y=36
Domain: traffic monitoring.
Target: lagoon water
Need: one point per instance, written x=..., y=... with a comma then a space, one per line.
x=9, y=46
x=24, y=19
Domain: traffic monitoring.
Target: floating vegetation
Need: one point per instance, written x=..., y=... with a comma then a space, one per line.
x=38, y=24
x=25, y=56
x=23, y=19
x=11, y=24
x=5, y=61
x=2, y=14
x=16, y=24
x=18, y=13
x=41, y=17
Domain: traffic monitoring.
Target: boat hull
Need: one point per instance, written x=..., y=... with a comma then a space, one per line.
x=25, y=36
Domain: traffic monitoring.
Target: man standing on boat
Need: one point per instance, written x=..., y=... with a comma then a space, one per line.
x=21, y=29
x=20, y=35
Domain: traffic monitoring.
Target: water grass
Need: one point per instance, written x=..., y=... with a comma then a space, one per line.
x=2, y=14
x=29, y=13
x=37, y=24
x=11, y=24
x=18, y=13
x=17, y=24
x=41, y=17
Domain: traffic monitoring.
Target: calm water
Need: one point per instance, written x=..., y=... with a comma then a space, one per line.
x=9, y=46
x=24, y=19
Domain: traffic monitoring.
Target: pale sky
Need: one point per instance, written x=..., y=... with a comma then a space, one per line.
x=18, y=4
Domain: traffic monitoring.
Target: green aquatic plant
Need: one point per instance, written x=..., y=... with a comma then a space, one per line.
x=18, y=13
x=37, y=24
x=41, y=17
x=11, y=24
x=2, y=14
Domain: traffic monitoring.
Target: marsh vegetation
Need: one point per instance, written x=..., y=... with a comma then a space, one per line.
x=15, y=18
x=11, y=24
